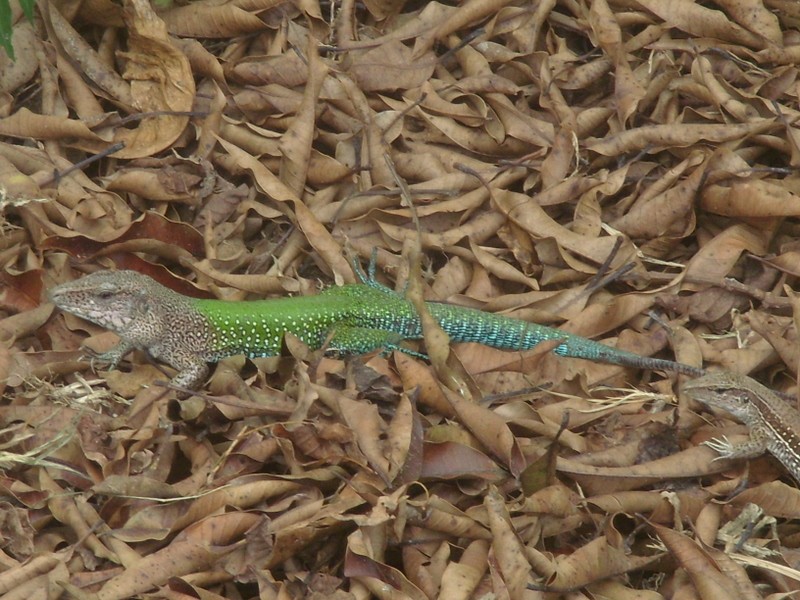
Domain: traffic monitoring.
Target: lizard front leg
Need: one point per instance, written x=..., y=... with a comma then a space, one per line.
x=192, y=367
x=111, y=358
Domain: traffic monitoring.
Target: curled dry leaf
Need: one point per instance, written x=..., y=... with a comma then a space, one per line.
x=16, y=73
x=390, y=66
x=210, y=20
x=708, y=580
x=607, y=167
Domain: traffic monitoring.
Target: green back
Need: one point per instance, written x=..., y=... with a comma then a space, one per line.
x=256, y=328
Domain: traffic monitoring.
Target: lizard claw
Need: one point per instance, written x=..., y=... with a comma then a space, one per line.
x=722, y=446
x=109, y=359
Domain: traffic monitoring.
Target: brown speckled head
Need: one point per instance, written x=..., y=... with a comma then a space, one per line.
x=146, y=315
x=115, y=300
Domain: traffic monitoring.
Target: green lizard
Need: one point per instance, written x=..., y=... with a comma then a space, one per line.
x=188, y=333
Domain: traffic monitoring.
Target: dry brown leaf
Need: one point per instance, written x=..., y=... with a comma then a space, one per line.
x=286, y=70
x=380, y=579
x=391, y=66
x=778, y=332
x=708, y=581
x=295, y=144
x=186, y=554
x=599, y=559
x=90, y=63
x=26, y=124
x=470, y=11
x=754, y=16
x=489, y=429
x=14, y=74
x=703, y=22
x=757, y=198
x=569, y=165
x=269, y=183
x=668, y=213
x=161, y=81
x=715, y=259
x=677, y=134
x=600, y=480
x=210, y=19
x=507, y=553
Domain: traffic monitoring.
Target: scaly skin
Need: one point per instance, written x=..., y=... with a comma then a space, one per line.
x=188, y=333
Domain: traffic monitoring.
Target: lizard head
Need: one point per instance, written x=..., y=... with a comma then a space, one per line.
x=735, y=394
x=111, y=299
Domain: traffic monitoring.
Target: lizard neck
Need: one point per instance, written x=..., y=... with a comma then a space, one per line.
x=161, y=316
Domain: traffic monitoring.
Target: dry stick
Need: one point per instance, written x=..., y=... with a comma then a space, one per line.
x=470, y=171
x=402, y=114
x=78, y=166
x=602, y=272
x=767, y=299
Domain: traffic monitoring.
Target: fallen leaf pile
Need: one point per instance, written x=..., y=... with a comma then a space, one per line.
x=623, y=169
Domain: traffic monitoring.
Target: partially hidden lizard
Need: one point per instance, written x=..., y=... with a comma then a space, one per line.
x=773, y=423
x=188, y=333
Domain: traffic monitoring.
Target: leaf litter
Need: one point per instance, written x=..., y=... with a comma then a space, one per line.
x=624, y=170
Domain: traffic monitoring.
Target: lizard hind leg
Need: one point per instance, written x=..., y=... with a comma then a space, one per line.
x=368, y=277
x=348, y=339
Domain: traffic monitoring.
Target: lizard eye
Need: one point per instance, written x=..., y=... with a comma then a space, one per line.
x=105, y=294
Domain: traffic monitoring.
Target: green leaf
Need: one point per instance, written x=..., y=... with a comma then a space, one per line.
x=27, y=8
x=6, y=28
